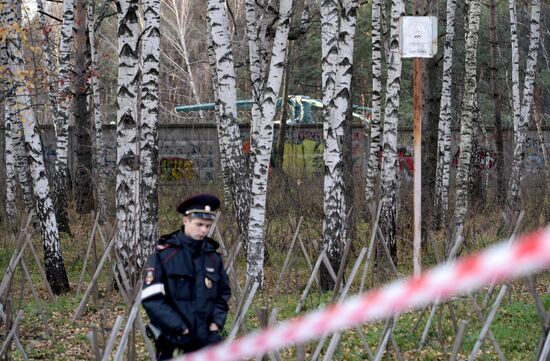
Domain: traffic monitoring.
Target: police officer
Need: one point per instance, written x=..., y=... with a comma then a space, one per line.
x=185, y=286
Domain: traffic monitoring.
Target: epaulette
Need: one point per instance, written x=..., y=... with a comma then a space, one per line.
x=163, y=246
x=162, y=243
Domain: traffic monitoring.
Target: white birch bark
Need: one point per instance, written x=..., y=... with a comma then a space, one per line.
x=516, y=100
x=127, y=180
x=16, y=164
x=49, y=62
x=222, y=141
x=389, y=139
x=21, y=161
x=329, y=53
x=148, y=126
x=15, y=155
x=335, y=228
x=467, y=128
x=9, y=156
x=9, y=159
x=442, y=176
x=53, y=258
x=262, y=153
x=526, y=107
x=224, y=79
x=255, y=33
x=64, y=99
x=99, y=153
x=376, y=120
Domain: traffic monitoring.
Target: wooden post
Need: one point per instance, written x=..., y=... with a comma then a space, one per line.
x=417, y=194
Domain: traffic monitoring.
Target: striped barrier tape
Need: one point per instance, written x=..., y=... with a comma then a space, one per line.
x=527, y=255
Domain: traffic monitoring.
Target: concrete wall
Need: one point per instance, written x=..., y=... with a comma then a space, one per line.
x=187, y=151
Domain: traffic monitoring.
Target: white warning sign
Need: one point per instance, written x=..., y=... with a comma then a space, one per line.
x=417, y=36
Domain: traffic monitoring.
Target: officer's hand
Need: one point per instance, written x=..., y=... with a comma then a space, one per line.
x=214, y=327
x=186, y=331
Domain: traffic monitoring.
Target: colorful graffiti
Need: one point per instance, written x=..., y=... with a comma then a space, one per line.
x=487, y=158
x=534, y=156
x=175, y=168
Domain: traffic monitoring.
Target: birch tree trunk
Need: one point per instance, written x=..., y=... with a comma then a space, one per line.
x=264, y=138
x=255, y=33
x=495, y=97
x=9, y=134
x=83, y=148
x=16, y=157
x=467, y=114
x=148, y=126
x=128, y=163
x=526, y=106
x=53, y=258
x=99, y=153
x=49, y=62
x=442, y=177
x=373, y=165
x=329, y=51
x=21, y=158
x=389, y=140
x=221, y=135
x=335, y=227
x=237, y=178
x=64, y=98
x=516, y=100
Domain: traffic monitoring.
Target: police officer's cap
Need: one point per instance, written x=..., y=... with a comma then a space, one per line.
x=200, y=206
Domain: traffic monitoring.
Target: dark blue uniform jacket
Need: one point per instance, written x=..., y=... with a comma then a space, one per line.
x=185, y=286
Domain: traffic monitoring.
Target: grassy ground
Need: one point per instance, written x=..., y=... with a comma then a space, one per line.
x=516, y=327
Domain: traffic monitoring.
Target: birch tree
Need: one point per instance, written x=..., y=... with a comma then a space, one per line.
x=99, y=153
x=467, y=127
x=53, y=258
x=127, y=179
x=332, y=156
x=257, y=52
x=516, y=100
x=444, y=131
x=9, y=158
x=376, y=119
x=236, y=178
x=148, y=126
x=64, y=97
x=526, y=106
x=217, y=113
x=337, y=93
x=389, y=139
x=15, y=155
x=263, y=135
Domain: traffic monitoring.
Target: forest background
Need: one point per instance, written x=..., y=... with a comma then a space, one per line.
x=185, y=77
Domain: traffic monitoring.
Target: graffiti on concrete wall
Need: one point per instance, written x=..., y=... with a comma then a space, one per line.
x=487, y=158
x=304, y=150
x=187, y=152
x=175, y=168
x=534, y=157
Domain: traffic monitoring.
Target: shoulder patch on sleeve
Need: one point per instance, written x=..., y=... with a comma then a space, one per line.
x=149, y=275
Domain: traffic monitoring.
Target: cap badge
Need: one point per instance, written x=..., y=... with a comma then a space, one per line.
x=207, y=208
x=209, y=269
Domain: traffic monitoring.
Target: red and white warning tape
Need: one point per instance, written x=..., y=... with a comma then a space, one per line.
x=527, y=255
